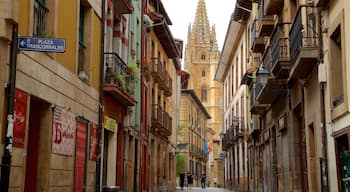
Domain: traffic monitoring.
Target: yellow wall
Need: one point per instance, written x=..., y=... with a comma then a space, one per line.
x=23, y=18
x=96, y=53
x=67, y=28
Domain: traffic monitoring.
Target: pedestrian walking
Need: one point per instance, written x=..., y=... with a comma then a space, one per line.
x=182, y=180
x=190, y=180
x=203, y=179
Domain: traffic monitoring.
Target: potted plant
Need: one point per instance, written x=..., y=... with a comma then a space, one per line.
x=121, y=81
x=147, y=72
x=133, y=69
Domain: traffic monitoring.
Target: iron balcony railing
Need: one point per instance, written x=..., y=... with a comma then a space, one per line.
x=279, y=46
x=39, y=18
x=157, y=115
x=116, y=72
x=253, y=33
x=266, y=60
x=167, y=123
x=304, y=32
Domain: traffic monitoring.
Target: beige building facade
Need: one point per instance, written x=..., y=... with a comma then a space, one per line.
x=201, y=60
x=192, y=136
x=163, y=57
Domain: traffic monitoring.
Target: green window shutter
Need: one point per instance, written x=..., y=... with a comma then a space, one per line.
x=43, y=1
x=81, y=25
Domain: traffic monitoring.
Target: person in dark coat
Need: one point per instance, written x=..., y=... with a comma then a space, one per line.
x=203, y=179
x=190, y=180
x=182, y=180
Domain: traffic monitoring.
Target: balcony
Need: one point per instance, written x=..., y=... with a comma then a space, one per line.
x=254, y=130
x=161, y=121
x=258, y=43
x=280, y=53
x=122, y=6
x=273, y=7
x=304, y=42
x=118, y=81
x=162, y=77
x=266, y=23
x=255, y=106
x=254, y=62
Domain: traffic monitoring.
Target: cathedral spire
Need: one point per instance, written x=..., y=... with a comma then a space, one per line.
x=201, y=29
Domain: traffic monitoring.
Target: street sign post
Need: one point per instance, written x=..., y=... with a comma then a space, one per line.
x=42, y=44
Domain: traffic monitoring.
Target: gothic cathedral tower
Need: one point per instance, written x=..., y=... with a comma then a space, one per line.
x=201, y=60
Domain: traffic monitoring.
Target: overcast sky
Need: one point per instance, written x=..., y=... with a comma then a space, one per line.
x=182, y=13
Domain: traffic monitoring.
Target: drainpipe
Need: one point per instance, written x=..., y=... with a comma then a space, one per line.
x=324, y=160
x=6, y=158
x=100, y=108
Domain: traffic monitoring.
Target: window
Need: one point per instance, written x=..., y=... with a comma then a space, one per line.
x=204, y=95
x=203, y=73
x=203, y=56
x=337, y=93
x=82, y=68
x=40, y=16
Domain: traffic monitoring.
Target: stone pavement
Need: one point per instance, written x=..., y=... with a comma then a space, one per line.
x=194, y=189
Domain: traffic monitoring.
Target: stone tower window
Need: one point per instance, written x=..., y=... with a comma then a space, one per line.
x=203, y=73
x=203, y=56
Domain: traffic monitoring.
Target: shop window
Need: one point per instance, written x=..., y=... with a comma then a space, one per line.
x=343, y=160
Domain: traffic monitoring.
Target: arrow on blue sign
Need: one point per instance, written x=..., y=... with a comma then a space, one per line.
x=42, y=44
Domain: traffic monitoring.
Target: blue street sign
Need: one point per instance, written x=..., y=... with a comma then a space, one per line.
x=42, y=44
x=222, y=155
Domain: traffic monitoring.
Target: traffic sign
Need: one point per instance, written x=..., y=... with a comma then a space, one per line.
x=222, y=155
x=42, y=44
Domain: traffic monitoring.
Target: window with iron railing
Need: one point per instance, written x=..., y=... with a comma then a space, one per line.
x=39, y=18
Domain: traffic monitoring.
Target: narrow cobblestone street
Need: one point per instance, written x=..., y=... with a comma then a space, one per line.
x=193, y=189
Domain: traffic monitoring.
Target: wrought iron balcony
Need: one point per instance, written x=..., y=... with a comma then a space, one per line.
x=280, y=52
x=266, y=23
x=123, y=6
x=161, y=76
x=253, y=65
x=118, y=81
x=257, y=42
x=304, y=42
x=161, y=120
x=167, y=124
x=255, y=106
x=255, y=127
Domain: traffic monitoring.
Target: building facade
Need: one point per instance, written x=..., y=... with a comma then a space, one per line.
x=55, y=97
x=232, y=66
x=201, y=60
x=163, y=54
x=192, y=137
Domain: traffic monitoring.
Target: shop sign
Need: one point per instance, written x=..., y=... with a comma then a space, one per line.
x=93, y=141
x=20, y=113
x=63, y=133
x=80, y=154
x=110, y=124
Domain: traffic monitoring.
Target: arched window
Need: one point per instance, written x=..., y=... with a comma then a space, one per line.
x=203, y=56
x=204, y=95
x=203, y=73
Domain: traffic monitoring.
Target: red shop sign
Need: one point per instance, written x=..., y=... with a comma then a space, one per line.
x=93, y=141
x=80, y=154
x=20, y=115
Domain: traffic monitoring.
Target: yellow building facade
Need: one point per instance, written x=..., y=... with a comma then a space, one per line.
x=57, y=94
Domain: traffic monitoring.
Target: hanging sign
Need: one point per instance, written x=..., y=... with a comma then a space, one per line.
x=20, y=112
x=63, y=133
x=110, y=124
x=93, y=141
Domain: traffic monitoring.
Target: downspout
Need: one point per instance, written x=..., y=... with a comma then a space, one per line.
x=323, y=159
x=100, y=107
x=6, y=158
